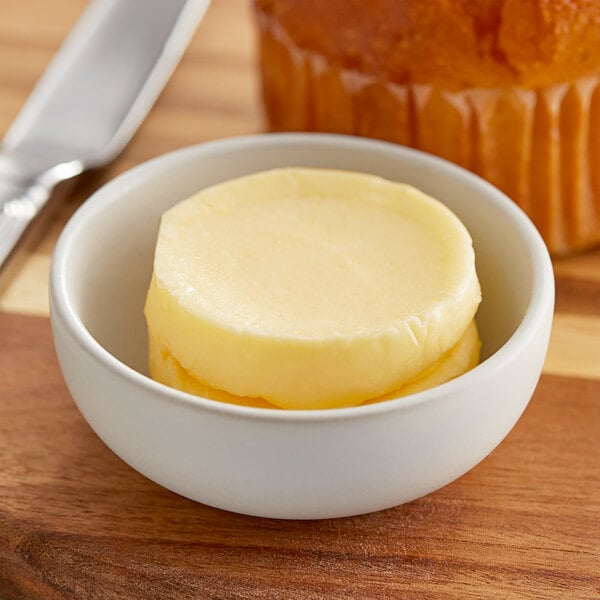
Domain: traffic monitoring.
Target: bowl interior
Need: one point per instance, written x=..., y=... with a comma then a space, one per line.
x=109, y=244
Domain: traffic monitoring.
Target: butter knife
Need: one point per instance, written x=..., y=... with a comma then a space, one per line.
x=90, y=101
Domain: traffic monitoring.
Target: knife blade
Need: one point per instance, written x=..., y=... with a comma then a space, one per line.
x=89, y=102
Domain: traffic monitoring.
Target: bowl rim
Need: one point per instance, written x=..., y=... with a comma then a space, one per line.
x=542, y=295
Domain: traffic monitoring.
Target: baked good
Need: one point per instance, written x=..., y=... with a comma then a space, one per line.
x=506, y=88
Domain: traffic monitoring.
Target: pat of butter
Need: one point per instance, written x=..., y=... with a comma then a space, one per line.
x=310, y=288
x=462, y=357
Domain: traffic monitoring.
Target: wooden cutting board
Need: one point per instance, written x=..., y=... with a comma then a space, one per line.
x=76, y=522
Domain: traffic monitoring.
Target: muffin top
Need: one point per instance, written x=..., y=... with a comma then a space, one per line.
x=455, y=43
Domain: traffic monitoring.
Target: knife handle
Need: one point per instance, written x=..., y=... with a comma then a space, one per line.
x=24, y=190
x=19, y=204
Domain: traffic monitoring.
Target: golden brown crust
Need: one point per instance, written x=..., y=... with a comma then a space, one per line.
x=455, y=43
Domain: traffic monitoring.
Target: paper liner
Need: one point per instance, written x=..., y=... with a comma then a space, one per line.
x=540, y=146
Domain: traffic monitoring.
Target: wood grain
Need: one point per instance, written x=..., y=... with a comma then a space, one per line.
x=76, y=522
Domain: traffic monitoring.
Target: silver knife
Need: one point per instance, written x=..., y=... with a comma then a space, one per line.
x=90, y=100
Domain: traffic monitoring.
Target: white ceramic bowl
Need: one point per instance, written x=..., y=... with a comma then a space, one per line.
x=301, y=464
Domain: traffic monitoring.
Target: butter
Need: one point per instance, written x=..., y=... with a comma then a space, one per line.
x=462, y=357
x=310, y=288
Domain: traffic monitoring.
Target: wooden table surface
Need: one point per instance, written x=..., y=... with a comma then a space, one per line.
x=76, y=522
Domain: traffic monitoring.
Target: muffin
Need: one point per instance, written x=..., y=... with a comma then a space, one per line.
x=506, y=88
